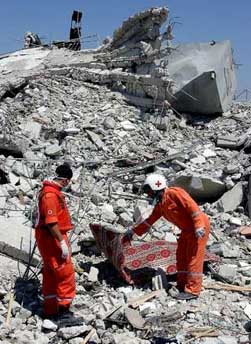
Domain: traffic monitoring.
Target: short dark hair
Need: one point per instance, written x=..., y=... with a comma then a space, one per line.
x=64, y=171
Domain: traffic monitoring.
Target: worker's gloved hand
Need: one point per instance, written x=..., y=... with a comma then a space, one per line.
x=65, y=249
x=128, y=236
x=200, y=233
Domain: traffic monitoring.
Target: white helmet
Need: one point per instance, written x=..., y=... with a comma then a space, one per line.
x=155, y=181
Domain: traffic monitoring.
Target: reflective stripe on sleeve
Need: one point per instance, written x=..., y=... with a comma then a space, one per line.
x=190, y=273
x=51, y=296
x=65, y=299
x=196, y=213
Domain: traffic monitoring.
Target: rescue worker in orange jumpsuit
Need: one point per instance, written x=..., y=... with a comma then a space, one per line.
x=53, y=223
x=176, y=206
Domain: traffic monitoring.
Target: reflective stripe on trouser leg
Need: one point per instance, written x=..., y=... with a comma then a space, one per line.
x=195, y=258
x=65, y=283
x=50, y=303
x=181, y=262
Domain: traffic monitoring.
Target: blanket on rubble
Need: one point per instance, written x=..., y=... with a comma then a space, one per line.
x=134, y=261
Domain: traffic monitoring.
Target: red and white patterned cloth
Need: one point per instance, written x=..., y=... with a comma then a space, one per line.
x=131, y=261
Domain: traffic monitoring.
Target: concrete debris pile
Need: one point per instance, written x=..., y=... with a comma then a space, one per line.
x=54, y=109
x=140, y=63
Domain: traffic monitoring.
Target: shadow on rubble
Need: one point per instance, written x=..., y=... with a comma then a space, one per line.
x=107, y=273
x=27, y=293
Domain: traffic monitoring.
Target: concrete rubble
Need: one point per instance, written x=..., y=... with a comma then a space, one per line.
x=107, y=112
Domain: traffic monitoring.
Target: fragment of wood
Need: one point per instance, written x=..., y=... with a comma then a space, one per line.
x=11, y=299
x=142, y=299
x=200, y=331
x=200, y=335
x=89, y=336
x=224, y=286
x=40, y=120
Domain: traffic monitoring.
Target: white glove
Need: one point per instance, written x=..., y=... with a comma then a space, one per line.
x=65, y=249
x=200, y=233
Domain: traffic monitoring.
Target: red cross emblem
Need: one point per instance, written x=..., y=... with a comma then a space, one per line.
x=158, y=183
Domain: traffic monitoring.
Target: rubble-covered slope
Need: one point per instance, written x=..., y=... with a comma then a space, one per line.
x=57, y=118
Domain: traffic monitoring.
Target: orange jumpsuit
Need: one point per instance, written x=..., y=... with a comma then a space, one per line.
x=179, y=208
x=58, y=287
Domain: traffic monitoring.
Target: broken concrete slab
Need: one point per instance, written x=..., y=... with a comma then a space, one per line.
x=15, y=239
x=95, y=139
x=134, y=318
x=231, y=199
x=200, y=187
x=229, y=141
x=235, y=221
x=74, y=331
x=204, y=77
x=228, y=271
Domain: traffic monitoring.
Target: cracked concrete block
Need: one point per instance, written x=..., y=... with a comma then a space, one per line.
x=209, y=153
x=228, y=271
x=235, y=221
x=200, y=159
x=147, y=307
x=109, y=123
x=53, y=150
x=49, y=325
x=127, y=125
x=93, y=274
x=125, y=220
x=32, y=128
x=231, y=169
x=74, y=331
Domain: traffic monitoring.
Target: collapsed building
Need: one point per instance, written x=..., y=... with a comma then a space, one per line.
x=193, y=78
x=58, y=105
